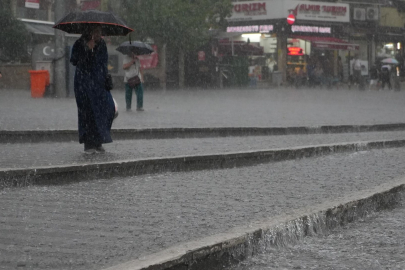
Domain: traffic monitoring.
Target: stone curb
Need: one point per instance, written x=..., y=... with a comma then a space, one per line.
x=222, y=250
x=32, y=136
x=74, y=173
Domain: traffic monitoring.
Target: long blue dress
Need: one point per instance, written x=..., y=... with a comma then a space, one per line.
x=94, y=103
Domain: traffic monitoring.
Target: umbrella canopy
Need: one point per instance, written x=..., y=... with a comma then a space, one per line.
x=386, y=66
x=389, y=61
x=137, y=47
x=78, y=22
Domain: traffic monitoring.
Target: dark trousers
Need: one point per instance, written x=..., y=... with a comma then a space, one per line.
x=357, y=76
x=139, y=96
x=384, y=81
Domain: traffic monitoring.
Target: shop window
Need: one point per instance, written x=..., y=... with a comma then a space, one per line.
x=387, y=49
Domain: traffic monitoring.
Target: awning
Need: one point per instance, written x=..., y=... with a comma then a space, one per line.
x=239, y=48
x=329, y=43
x=39, y=29
x=42, y=28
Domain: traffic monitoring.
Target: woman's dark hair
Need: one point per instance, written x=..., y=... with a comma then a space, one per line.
x=87, y=33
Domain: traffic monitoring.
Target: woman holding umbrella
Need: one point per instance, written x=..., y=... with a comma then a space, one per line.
x=96, y=108
x=133, y=69
x=95, y=104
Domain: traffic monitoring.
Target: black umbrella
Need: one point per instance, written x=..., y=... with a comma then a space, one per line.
x=137, y=47
x=78, y=22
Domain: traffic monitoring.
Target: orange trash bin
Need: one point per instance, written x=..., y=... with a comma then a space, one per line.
x=39, y=82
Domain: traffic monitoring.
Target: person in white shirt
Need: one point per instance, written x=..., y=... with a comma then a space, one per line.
x=356, y=70
x=132, y=67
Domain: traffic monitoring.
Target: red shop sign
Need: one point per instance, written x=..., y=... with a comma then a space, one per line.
x=295, y=51
x=151, y=60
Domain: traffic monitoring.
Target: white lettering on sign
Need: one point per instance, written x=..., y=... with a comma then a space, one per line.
x=335, y=10
x=250, y=29
x=265, y=28
x=311, y=29
x=325, y=30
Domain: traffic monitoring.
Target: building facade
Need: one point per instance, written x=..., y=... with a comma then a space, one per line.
x=322, y=31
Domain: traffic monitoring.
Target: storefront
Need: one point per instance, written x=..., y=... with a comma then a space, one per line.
x=317, y=34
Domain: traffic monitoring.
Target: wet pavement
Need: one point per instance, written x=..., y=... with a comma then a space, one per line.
x=376, y=242
x=48, y=154
x=216, y=108
x=92, y=224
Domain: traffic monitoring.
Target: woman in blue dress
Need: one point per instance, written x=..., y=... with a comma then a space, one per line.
x=95, y=104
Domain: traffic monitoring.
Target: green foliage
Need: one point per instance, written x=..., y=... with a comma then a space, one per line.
x=180, y=23
x=13, y=37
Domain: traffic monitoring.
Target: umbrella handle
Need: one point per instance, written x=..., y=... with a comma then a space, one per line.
x=130, y=42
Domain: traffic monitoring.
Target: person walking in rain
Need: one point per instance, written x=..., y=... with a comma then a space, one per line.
x=386, y=76
x=132, y=67
x=374, y=75
x=357, y=70
x=95, y=104
x=340, y=69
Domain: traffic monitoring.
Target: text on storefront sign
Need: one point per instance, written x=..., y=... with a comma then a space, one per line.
x=250, y=7
x=311, y=29
x=250, y=29
x=330, y=9
x=295, y=51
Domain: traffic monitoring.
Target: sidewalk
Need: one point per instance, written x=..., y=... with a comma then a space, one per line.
x=68, y=153
x=216, y=108
x=95, y=224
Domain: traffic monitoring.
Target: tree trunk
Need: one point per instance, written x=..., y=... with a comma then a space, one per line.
x=181, y=69
x=162, y=60
x=13, y=6
x=282, y=55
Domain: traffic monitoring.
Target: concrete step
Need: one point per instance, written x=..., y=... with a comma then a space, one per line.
x=31, y=136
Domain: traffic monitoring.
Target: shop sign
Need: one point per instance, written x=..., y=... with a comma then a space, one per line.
x=250, y=29
x=295, y=51
x=150, y=60
x=280, y=9
x=32, y=4
x=319, y=11
x=311, y=29
x=250, y=11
